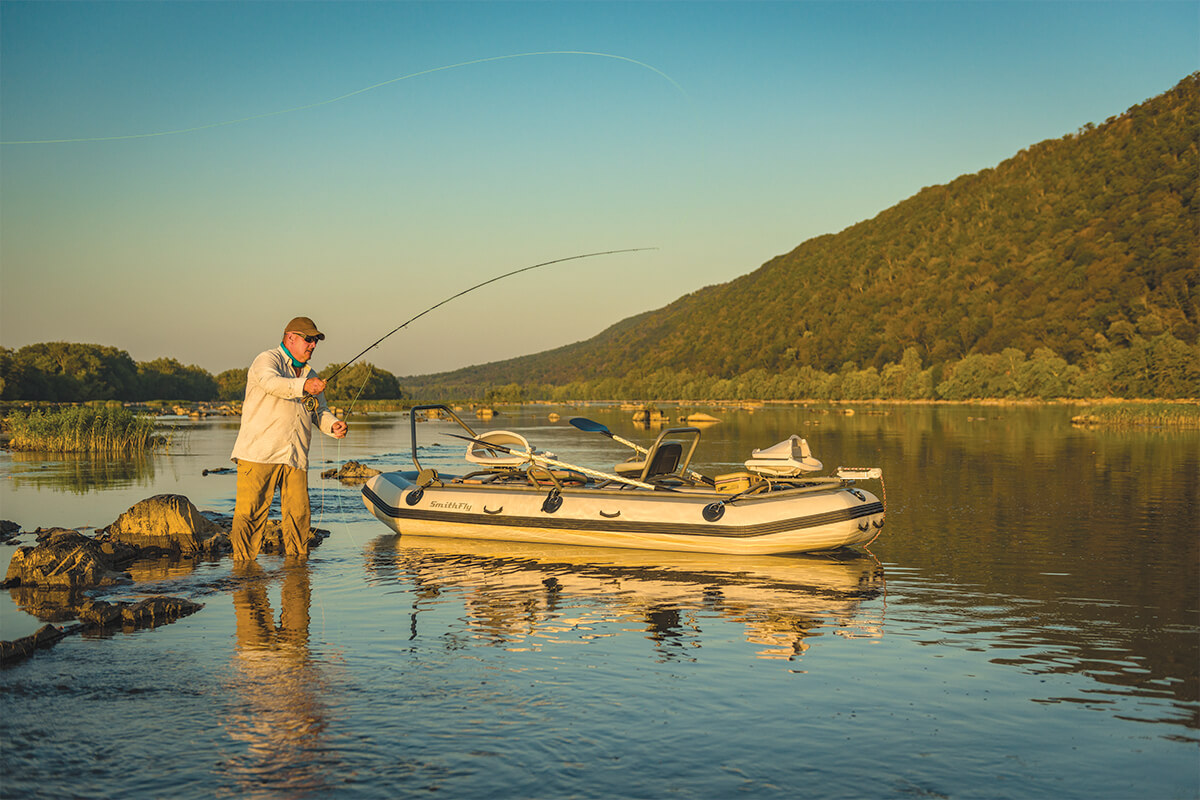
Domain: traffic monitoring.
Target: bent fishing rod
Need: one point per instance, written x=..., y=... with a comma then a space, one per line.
x=310, y=402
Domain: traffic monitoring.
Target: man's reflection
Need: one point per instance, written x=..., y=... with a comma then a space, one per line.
x=277, y=713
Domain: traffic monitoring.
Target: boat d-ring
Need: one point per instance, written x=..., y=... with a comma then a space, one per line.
x=553, y=501
x=714, y=511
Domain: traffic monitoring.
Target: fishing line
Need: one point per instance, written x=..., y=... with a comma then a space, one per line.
x=354, y=93
x=411, y=320
x=310, y=402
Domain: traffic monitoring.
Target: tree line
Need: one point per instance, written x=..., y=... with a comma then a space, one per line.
x=1158, y=366
x=1146, y=365
x=69, y=372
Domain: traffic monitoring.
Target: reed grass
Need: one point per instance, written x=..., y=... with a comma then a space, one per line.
x=108, y=430
x=1142, y=414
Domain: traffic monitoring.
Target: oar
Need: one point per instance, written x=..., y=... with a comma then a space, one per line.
x=555, y=463
x=591, y=426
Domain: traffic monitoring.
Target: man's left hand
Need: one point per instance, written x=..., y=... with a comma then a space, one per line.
x=339, y=429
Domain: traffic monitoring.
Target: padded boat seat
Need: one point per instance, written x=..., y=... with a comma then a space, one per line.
x=478, y=453
x=788, y=458
x=666, y=461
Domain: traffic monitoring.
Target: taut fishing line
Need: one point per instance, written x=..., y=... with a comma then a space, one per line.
x=310, y=402
x=348, y=95
x=435, y=306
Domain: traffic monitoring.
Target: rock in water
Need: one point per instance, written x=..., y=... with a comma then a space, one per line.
x=8, y=531
x=150, y=612
x=45, y=636
x=351, y=471
x=63, y=558
x=168, y=522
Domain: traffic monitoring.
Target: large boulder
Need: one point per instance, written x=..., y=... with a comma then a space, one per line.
x=63, y=558
x=165, y=522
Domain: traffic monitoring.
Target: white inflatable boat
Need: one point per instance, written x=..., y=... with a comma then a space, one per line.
x=511, y=491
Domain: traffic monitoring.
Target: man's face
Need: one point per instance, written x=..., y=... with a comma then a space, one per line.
x=299, y=347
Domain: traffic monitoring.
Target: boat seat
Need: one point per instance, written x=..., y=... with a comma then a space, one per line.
x=478, y=453
x=666, y=461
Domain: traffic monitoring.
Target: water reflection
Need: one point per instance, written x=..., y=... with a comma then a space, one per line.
x=80, y=473
x=524, y=596
x=278, y=713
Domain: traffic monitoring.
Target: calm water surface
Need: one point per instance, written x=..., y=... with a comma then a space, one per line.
x=1027, y=626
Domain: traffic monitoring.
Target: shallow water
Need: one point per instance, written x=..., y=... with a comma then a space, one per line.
x=1027, y=624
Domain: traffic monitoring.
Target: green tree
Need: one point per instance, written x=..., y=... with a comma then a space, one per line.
x=231, y=384
x=361, y=380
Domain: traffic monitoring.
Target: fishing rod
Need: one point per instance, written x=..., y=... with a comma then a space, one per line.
x=310, y=402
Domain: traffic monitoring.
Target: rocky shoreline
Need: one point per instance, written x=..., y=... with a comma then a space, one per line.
x=54, y=579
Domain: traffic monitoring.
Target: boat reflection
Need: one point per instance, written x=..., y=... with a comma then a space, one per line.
x=523, y=596
x=276, y=711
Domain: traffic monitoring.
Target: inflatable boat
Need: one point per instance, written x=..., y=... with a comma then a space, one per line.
x=511, y=491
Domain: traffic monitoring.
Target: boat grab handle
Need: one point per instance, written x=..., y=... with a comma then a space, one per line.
x=487, y=510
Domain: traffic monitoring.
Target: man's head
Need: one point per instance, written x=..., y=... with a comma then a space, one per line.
x=300, y=337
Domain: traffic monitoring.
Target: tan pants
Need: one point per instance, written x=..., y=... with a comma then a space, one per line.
x=256, y=486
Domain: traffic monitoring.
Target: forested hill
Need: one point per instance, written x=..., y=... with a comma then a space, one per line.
x=1078, y=245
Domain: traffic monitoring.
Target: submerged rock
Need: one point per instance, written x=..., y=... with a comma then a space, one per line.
x=8, y=531
x=45, y=636
x=150, y=612
x=351, y=471
x=97, y=614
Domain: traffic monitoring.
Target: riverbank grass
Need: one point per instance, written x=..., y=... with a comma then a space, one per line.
x=1141, y=414
x=108, y=430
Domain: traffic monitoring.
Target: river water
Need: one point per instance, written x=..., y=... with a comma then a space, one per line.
x=1028, y=625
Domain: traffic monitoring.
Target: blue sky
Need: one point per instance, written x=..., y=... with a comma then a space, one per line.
x=722, y=134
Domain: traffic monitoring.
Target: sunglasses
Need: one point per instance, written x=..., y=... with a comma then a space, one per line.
x=308, y=339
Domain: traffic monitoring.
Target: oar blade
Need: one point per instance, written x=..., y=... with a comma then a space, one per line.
x=589, y=425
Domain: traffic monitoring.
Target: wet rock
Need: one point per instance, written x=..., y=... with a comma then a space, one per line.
x=45, y=636
x=63, y=558
x=98, y=612
x=150, y=612
x=351, y=471
x=8, y=531
x=165, y=522
x=99, y=615
x=273, y=537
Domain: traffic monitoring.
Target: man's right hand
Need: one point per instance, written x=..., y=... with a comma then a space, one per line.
x=314, y=386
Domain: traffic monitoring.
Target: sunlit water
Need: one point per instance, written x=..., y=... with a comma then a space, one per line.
x=1027, y=626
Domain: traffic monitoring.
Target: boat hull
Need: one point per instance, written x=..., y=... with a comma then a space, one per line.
x=792, y=521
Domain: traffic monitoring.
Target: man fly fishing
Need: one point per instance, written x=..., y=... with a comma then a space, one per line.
x=271, y=450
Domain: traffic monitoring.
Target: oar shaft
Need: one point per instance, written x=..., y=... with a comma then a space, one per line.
x=628, y=443
x=556, y=463
x=591, y=472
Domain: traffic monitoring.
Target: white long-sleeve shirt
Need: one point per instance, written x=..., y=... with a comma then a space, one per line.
x=276, y=429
